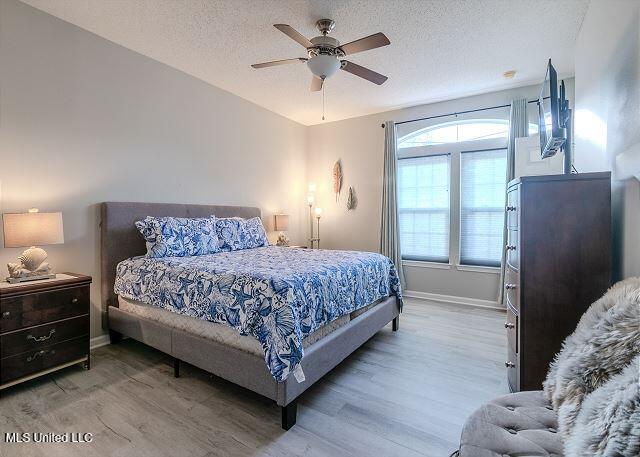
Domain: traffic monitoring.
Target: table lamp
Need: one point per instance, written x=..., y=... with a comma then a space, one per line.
x=29, y=230
x=282, y=225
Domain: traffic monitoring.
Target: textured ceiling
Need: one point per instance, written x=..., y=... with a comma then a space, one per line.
x=440, y=49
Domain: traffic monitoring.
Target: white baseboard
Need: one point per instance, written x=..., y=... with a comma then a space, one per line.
x=468, y=301
x=99, y=341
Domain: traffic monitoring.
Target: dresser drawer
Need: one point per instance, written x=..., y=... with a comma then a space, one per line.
x=513, y=208
x=512, y=288
x=34, y=338
x=513, y=370
x=513, y=249
x=512, y=329
x=39, y=308
x=31, y=362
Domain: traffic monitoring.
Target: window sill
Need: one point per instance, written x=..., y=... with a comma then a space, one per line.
x=478, y=269
x=425, y=264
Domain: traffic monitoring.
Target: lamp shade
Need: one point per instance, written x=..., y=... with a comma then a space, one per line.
x=282, y=222
x=32, y=229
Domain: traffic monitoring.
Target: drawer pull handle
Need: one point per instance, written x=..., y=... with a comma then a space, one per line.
x=6, y=314
x=74, y=300
x=510, y=247
x=509, y=364
x=511, y=208
x=510, y=286
x=38, y=339
x=42, y=353
x=509, y=325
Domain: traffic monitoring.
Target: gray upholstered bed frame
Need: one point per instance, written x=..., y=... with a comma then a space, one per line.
x=120, y=240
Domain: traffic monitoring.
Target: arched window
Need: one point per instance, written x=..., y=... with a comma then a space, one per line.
x=463, y=159
x=458, y=131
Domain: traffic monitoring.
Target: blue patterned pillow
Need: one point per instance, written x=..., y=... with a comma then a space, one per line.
x=235, y=233
x=255, y=235
x=179, y=236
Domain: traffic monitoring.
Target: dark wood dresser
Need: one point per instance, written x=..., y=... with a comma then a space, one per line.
x=44, y=326
x=558, y=263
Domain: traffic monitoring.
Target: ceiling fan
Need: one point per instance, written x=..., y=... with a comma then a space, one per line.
x=325, y=53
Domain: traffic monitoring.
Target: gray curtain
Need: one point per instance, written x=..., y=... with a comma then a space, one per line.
x=518, y=127
x=390, y=233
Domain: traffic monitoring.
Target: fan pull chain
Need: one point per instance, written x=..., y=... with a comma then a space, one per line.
x=323, y=101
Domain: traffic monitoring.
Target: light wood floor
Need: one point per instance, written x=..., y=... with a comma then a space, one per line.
x=401, y=394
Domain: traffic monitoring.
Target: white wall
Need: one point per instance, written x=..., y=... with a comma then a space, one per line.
x=359, y=144
x=83, y=120
x=607, y=120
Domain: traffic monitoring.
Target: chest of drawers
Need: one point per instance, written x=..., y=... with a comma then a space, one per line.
x=44, y=326
x=558, y=263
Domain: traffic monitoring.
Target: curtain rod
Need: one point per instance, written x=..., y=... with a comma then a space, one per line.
x=458, y=112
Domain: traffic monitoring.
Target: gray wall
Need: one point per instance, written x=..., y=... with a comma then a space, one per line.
x=608, y=116
x=83, y=120
x=359, y=144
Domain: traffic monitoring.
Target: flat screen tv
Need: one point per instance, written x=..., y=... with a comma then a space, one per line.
x=552, y=134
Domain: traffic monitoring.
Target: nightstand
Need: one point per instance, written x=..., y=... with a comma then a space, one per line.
x=44, y=326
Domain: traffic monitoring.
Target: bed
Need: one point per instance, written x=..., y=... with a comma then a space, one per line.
x=272, y=319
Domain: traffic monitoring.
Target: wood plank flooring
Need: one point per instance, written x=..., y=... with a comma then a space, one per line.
x=401, y=394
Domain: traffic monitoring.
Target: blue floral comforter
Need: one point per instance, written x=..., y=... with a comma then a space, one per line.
x=278, y=295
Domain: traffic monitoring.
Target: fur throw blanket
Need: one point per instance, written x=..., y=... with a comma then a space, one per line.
x=608, y=423
x=603, y=345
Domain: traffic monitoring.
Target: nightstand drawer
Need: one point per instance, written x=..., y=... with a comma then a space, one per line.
x=34, y=338
x=31, y=362
x=42, y=307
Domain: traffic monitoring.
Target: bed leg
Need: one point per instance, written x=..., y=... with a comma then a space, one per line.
x=396, y=324
x=114, y=337
x=176, y=367
x=289, y=414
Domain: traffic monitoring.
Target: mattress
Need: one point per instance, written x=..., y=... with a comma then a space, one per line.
x=221, y=333
x=277, y=295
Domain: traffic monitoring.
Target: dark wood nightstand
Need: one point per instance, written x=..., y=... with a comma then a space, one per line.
x=44, y=326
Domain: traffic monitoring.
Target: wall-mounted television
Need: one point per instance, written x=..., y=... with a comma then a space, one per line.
x=550, y=125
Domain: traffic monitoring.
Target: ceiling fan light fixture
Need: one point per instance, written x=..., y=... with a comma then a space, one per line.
x=323, y=66
x=325, y=54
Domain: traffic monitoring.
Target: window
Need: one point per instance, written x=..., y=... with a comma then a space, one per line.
x=458, y=131
x=451, y=191
x=482, y=194
x=423, y=207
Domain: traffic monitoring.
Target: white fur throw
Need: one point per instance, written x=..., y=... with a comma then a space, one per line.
x=604, y=343
x=608, y=424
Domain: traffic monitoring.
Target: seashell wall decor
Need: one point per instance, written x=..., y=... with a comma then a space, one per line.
x=337, y=179
x=352, y=200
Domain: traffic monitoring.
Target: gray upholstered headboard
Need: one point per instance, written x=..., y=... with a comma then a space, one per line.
x=120, y=239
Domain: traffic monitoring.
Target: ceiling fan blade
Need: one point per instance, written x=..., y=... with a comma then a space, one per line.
x=364, y=44
x=316, y=84
x=273, y=63
x=363, y=72
x=294, y=34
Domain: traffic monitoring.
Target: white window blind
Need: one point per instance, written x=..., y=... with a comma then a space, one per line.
x=482, y=200
x=423, y=207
